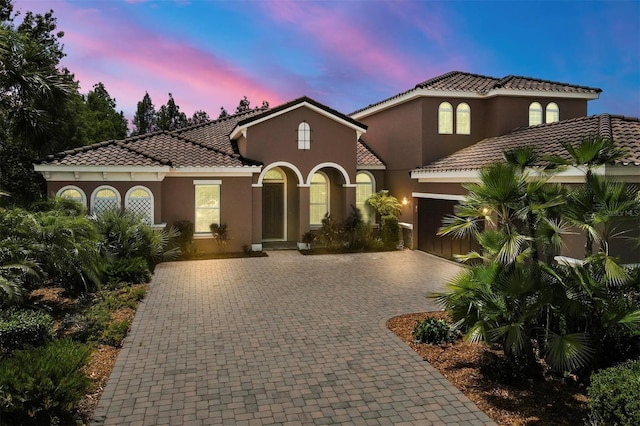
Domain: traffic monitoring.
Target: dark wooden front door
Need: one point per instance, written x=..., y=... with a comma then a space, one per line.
x=273, y=211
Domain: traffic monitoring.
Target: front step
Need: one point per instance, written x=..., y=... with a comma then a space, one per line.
x=279, y=245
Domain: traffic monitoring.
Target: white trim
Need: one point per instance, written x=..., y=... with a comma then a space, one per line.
x=256, y=247
x=100, y=188
x=265, y=169
x=228, y=171
x=82, y=193
x=207, y=182
x=426, y=93
x=133, y=188
x=329, y=164
x=98, y=169
x=406, y=225
x=238, y=130
x=435, y=196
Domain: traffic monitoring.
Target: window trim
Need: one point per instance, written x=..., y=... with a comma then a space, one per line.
x=372, y=218
x=133, y=188
x=441, y=111
x=458, y=120
x=77, y=188
x=557, y=111
x=196, y=183
x=328, y=197
x=100, y=188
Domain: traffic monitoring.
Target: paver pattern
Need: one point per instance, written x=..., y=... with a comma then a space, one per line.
x=284, y=339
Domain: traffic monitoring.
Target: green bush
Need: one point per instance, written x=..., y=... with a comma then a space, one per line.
x=390, y=232
x=129, y=270
x=434, y=332
x=186, y=228
x=114, y=333
x=329, y=234
x=614, y=395
x=43, y=383
x=356, y=234
x=19, y=328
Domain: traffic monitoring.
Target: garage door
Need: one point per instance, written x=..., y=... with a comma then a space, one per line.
x=430, y=214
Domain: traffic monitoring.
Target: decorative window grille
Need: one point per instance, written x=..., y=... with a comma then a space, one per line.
x=73, y=193
x=140, y=201
x=105, y=199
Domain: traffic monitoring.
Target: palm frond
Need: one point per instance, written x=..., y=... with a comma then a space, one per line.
x=569, y=352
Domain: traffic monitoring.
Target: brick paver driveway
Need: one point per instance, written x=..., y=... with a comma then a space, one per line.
x=285, y=339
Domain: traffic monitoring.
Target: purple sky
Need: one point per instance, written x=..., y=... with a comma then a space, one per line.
x=345, y=54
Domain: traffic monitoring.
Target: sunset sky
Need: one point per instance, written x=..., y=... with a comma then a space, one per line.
x=345, y=54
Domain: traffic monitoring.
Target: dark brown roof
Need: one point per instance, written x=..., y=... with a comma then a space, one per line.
x=547, y=139
x=366, y=156
x=458, y=81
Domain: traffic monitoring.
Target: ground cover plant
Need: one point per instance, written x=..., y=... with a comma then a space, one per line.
x=69, y=287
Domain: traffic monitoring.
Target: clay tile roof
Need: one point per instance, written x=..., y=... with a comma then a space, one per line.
x=366, y=156
x=458, y=81
x=110, y=153
x=547, y=139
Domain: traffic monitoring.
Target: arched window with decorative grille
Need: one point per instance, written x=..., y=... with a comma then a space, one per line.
x=104, y=198
x=139, y=200
x=73, y=193
x=445, y=118
x=553, y=113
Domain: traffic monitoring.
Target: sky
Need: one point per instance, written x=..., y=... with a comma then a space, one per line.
x=344, y=54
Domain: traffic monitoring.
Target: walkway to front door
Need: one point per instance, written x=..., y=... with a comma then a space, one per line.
x=284, y=339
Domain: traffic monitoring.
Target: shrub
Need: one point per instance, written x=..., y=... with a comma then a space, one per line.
x=114, y=333
x=220, y=234
x=19, y=328
x=434, y=332
x=356, y=234
x=186, y=228
x=43, y=383
x=130, y=270
x=614, y=395
x=390, y=232
x=329, y=234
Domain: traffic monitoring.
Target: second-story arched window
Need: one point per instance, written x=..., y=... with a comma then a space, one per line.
x=553, y=113
x=445, y=118
x=463, y=119
x=535, y=114
x=304, y=136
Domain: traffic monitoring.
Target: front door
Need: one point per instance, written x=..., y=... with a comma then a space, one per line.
x=273, y=211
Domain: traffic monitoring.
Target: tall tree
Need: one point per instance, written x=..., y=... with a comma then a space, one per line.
x=223, y=113
x=170, y=117
x=102, y=121
x=144, y=120
x=243, y=105
x=199, y=117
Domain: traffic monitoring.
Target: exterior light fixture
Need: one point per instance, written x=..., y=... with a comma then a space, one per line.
x=405, y=201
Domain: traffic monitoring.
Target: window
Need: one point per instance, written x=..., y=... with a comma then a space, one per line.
x=365, y=187
x=535, y=114
x=140, y=201
x=207, y=205
x=553, y=113
x=304, y=136
x=319, y=198
x=463, y=119
x=445, y=118
x=73, y=193
x=104, y=198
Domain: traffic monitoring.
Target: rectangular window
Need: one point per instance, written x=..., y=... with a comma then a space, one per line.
x=207, y=205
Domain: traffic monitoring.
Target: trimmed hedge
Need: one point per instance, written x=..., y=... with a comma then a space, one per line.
x=434, y=332
x=22, y=327
x=133, y=270
x=614, y=395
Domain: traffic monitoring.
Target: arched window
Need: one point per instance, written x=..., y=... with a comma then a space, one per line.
x=104, y=198
x=365, y=187
x=319, y=198
x=304, y=136
x=463, y=119
x=73, y=193
x=445, y=118
x=535, y=114
x=553, y=113
x=140, y=200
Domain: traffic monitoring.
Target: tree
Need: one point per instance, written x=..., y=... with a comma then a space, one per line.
x=199, y=117
x=101, y=121
x=144, y=120
x=223, y=113
x=170, y=118
x=243, y=106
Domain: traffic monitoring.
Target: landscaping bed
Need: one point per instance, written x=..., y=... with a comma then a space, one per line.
x=476, y=370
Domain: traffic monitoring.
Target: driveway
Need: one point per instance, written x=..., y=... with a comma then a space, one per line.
x=284, y=339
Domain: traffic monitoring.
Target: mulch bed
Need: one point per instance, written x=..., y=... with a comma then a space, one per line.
x=549, y=401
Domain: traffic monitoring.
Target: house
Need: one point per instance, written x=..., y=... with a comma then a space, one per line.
x=271, y=175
